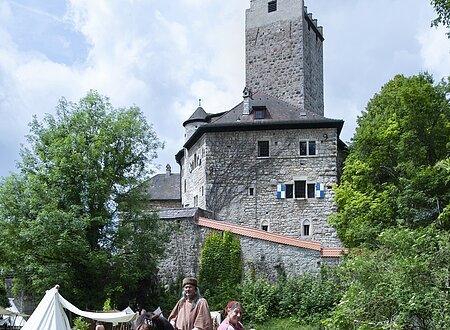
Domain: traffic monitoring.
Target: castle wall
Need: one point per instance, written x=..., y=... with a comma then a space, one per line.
x=284, y=56
x=233, y=169
x=266, y=259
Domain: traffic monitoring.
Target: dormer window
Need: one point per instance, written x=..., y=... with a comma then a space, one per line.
x=272, y=6
x=259, y=112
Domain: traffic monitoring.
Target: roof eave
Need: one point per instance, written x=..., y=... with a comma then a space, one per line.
x=258, y=126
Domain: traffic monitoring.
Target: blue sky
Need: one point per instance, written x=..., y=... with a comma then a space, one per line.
x=164, y=55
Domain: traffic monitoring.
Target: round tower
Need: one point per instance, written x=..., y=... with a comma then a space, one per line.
x=198, y=118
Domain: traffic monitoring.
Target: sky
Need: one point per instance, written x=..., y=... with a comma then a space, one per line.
x=163, y=56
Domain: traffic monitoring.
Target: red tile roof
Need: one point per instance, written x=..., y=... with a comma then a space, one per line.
x=271, y=237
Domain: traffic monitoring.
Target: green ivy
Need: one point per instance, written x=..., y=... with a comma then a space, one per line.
x=220, y=269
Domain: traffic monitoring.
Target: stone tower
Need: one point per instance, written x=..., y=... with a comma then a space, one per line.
x=284, y=53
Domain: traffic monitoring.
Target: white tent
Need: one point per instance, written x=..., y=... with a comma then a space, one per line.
x=15, y=318
x=50, y=315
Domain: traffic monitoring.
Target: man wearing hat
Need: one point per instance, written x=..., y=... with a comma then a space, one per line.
x=192, y=311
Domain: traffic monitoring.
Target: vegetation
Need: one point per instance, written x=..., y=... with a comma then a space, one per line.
x=394, y=211
x=390, y=177
x=284, y=324
x=4, y=302
x=79, y=323
x=70, y=215
x=442, y=8
x=220, y=269
x=304, y=300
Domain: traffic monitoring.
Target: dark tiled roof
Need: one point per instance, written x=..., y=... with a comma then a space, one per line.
x=275, y=111
x=163, y=187
x=277, y=115
x=198, y=115
x=178, y=213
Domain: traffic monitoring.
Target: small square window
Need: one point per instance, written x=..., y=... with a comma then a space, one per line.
x=263, y=148
x=265, y=227
x=272, y=6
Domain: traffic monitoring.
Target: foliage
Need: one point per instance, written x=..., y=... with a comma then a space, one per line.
x=79, y=323
x=442, y=8
x=390, y=177
x=404, y=283
x=305, y=299
x=308, y=298
x=4, y=302
x=284, y=324
x=259, y=299
x=107, y=305
x=70, y=216
x=220, y=269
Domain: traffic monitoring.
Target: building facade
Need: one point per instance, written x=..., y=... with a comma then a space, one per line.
x=265, y=169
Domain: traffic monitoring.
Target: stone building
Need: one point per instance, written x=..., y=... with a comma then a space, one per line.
x=264, y=169
x=163, y=190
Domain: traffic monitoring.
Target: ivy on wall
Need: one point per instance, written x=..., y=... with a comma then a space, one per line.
x=220, y=269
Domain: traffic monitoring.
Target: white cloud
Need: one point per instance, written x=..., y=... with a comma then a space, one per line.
x=435, y=51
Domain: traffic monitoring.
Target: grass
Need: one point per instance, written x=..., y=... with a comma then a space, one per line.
x=283, y=324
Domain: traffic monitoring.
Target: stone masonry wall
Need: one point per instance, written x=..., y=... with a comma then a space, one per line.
x=267, y=259
x=233, y=168
x=283, y=56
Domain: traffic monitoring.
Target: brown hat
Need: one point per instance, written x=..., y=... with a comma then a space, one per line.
x=190, y=280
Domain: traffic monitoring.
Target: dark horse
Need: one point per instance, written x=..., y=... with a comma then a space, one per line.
x=152, y=321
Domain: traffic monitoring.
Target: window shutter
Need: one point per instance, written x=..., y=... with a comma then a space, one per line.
x=281, y=191
x=320, y=190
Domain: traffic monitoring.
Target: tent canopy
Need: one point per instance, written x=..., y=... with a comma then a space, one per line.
x=4, y=311
x=50, y=314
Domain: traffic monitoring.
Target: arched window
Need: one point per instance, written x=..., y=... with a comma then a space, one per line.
x=265, y=225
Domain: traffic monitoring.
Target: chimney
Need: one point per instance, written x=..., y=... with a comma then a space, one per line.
x=168, y=170
x=248, y=101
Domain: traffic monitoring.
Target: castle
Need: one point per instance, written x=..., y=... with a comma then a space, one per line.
x=264, y=169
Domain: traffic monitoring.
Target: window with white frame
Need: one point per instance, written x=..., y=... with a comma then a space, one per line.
x=308, y=148
x=300, y=189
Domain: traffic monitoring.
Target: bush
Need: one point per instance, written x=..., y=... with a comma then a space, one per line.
x=305, y=299
x=80, y=324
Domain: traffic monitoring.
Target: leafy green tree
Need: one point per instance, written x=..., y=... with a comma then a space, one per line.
x=403, y=284
x=442, y=8
x=4, y=302
x=70, y=217
x=391, y=177
x=220, y=269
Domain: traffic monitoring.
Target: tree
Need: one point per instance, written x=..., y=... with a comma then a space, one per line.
x=442, y=8
x=69, y=216
x=4, y=302
x=391, y=177
x=403, y=285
